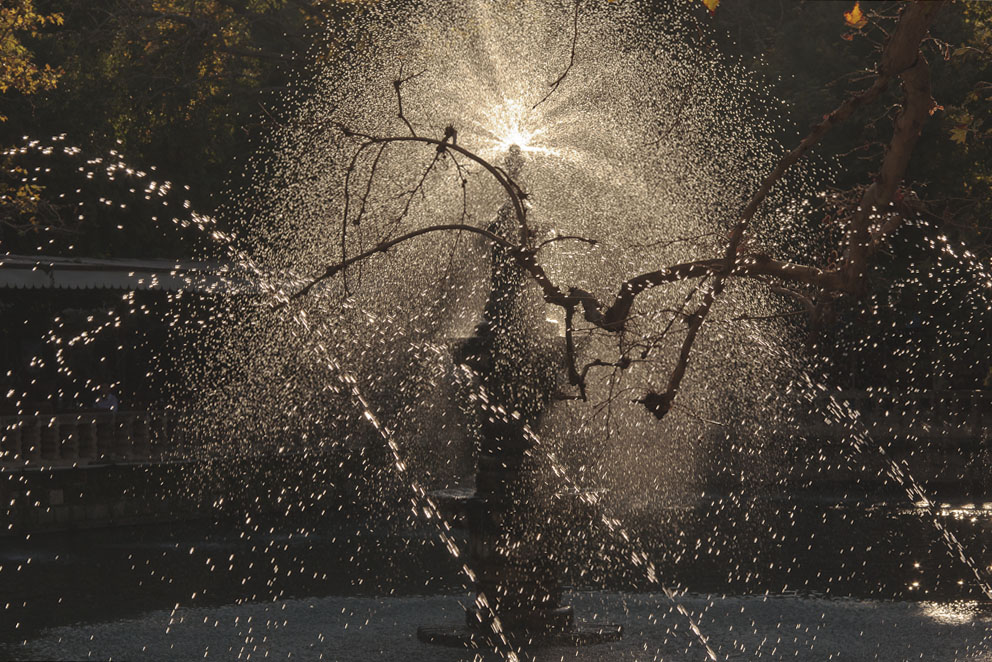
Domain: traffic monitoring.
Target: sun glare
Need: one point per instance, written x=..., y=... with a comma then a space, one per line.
x=514, y=123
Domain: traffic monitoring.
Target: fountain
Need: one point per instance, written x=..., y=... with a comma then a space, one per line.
x=510, y=548
x=320, y=396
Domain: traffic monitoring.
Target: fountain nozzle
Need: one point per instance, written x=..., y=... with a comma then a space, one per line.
x=514, y=160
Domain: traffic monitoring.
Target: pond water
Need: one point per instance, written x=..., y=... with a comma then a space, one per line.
x=803, y=578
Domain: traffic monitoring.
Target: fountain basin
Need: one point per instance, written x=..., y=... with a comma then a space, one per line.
x=359, y=629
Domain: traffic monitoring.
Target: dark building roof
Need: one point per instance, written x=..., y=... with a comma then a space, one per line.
x=48, y=272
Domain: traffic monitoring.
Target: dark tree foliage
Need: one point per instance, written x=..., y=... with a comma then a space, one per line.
x=184, y=86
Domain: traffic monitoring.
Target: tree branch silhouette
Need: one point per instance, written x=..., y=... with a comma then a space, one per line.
x=901, y=58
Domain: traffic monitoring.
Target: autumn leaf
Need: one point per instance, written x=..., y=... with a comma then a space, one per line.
x=959, y=134
x=855, y=18
x=712, y=5
x=962, y=125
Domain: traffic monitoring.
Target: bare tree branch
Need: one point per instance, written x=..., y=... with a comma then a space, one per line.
x=334, y=269
x=909, y=123
x=900, y=54
x=570, y=237
x=514, y=191
x=574, y=378
x=901, y=57
x=678, y=115
x=571, y=58
x=397, y=84
x=806, y=302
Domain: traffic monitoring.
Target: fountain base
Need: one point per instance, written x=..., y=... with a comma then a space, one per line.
x=528, y=592
x=579, y=634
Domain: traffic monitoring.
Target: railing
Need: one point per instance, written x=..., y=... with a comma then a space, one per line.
x=941, y=438
x=950, y=414
x=92, y=438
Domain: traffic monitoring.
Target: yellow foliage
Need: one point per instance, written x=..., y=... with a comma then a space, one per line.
x=18, y=70
x=963, y=124
x=712, y=5
x=855, y=18
x=959, y=133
